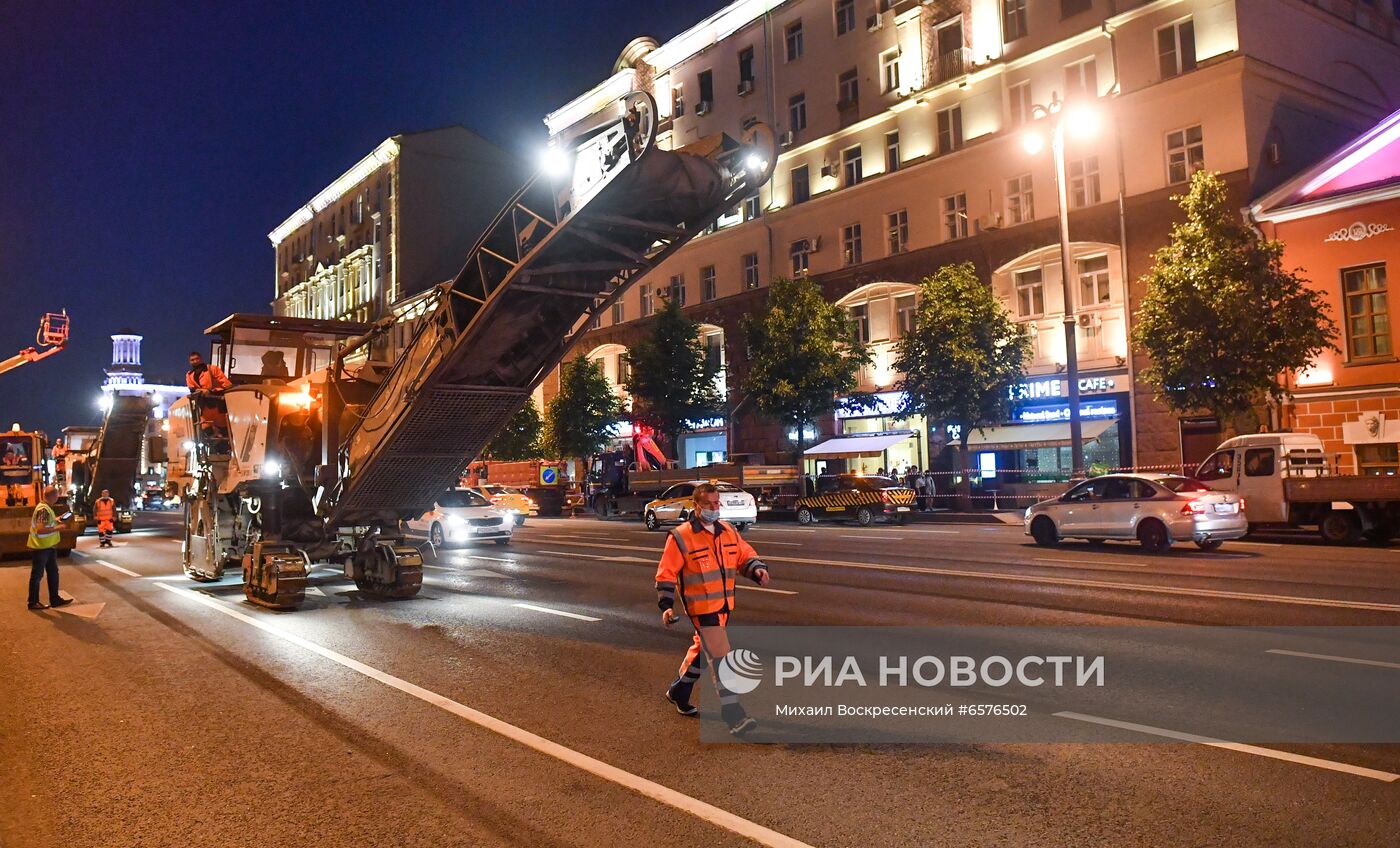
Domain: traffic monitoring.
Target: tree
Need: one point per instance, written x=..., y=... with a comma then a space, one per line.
x=1222, y=319
x=521, y=437
x=672, y=380
x=581, y=417
x=804, y=357
x=960, y=358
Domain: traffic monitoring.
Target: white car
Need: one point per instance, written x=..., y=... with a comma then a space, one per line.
x=674, y=505
x=1154, y=509
x=461, y=516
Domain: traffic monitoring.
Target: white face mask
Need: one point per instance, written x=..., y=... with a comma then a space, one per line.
x=709, y=516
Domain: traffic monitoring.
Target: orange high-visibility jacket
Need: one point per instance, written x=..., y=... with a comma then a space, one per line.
x=104, y=509
x=705, y=564
x=212, y=379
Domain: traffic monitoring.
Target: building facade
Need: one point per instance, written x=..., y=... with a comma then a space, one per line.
x=1340, y=223
x=398, y=222
x=902, y=128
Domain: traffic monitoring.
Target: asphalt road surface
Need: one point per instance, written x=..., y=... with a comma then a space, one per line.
x=517, y=701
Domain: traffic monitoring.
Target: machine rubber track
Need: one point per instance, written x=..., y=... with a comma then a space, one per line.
x=408, y=571
x=274, y=579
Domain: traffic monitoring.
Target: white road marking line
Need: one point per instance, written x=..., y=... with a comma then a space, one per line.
x=493, y=559
x=1354, y=660
x=868, y=537
x=1258, y=751
x=117, y=568
x=782, y=529
x=1091, y=561
x=1257, y=544
x=764, y=589
x=556, y=612
x=571, y=554
x=438, y=567
x=944, y=532
x=176, y=541
x=784, y=544
x=665, y=795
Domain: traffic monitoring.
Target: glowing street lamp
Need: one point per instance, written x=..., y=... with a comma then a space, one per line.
x=1081, y=122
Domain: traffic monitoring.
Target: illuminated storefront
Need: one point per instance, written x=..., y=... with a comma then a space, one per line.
x=1035, y=443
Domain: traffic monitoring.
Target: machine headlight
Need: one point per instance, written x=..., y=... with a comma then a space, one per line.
x=272, y=468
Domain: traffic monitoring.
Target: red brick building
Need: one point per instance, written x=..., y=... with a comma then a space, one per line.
x=1340, y=222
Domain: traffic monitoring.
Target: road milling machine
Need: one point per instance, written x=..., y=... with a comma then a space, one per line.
x=318, y=453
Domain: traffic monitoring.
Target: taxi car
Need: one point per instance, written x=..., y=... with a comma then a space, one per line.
x=863, y=498
x=514, y=502
x=461, y=516
x=736, y=506
x=1154, y=509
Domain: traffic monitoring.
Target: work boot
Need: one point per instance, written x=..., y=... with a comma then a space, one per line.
x=739, y=721
x=678, y=694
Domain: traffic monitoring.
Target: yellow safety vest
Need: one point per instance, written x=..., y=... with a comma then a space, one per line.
x=40, y=539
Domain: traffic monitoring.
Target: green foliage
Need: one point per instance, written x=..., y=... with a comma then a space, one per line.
x=580, y=418
x=803, y=355
x=1222, y=319
x=672, y=381
x=963, y=353
x=521, y=437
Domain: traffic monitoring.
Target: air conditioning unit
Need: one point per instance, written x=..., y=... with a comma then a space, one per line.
x=828, y=170
x=786, y=139
x=814, y=244
x=989, y=221
x=702, y=108
x=745, y=87
x=1089, y=320
x=874, y=22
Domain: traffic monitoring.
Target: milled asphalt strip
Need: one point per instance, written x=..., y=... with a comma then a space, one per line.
x=1300, y=759
x=1352, y=660
x=642, y=786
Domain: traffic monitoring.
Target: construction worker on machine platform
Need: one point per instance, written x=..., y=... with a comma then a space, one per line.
x=206, y=383
x=104, y=511
x=704, y=555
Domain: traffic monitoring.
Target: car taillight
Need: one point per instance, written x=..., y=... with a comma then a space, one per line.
x=1193, y=508
x=1241, y=504
x=884, y=496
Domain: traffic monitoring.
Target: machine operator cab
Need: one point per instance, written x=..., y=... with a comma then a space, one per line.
x=277, y=367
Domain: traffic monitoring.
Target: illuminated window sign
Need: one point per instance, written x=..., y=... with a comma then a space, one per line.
x=1060, y=412
x=1053, y=387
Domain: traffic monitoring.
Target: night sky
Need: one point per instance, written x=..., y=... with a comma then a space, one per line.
x=146, y=154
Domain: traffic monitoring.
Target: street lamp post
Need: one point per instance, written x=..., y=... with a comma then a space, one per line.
x=1055, y=112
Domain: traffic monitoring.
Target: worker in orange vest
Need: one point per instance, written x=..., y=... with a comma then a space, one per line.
x=104, y=512
x=703, y=556
x=207, y=384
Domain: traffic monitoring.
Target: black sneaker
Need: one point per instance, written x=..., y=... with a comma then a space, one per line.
x=35, y=605
x=685, y=708
x=738, y=720
x=743, y=726
x=61, y=602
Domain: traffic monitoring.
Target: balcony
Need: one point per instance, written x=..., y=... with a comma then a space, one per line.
x=952, y=65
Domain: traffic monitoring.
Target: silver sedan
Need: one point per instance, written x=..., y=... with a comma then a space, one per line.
x=1154, y=509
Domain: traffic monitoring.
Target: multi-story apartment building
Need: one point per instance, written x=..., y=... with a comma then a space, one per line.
x=398, y=222
x=902, y=128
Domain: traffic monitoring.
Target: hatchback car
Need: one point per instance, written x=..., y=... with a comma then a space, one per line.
x=736, y=506
x=513, y=502
x=461, y=516
x=1154, y=509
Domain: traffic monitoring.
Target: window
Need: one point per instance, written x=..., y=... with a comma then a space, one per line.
x=801, y=189
x=1013, y=20
x=792, y=40
x=1093, y=281
x=799, y=253
x=904, y=309
x=892, y=162
x=889, y=71
x=1381, y=460
x=1259, y=462
x=851, y=171
x=1069, y=8
x=1020, y=205
x=617, y=316
x=847, y=89
x=955, y=216
x=860, y=314
x=752, y=209
x=797, y=112
x=707, y=283
x=897, y=224
x=746, y=65
x=750, y=270
x=648, y=302
x=845, y=16
x=1186, y=154
x=707, y=87
x=850, y=244
x=1087, y=491
x=1367, y=312
x=1030, y=293
x=676, y=291
x=1083, y=181
x=1176, y=48
x=357, y=209
x=677, y=102
x=950, y=130
x=1020, y=97
x=1218, y=466
x=1081, y=80
x=1126, y=489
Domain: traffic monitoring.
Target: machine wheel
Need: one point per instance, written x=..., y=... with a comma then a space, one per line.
x=396, y=572
x=651, y=522
x=600, y=507
x=1152, y=535
x=1210, y=544
x=503, y=541
x=805, y=517
x=436, y=536
x=1339, y=527
x=864, y=517
x=274, y=577
x=1044, y=532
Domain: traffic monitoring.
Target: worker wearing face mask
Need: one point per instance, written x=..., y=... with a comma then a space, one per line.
x=703, y=557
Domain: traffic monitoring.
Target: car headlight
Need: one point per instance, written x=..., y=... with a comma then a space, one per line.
x=1027, y=516
x=454, y=521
